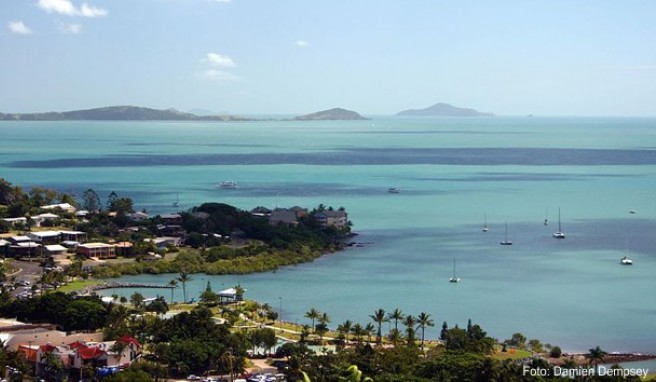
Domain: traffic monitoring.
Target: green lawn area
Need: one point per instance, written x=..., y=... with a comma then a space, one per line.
x=77, y=285
x=511, y=354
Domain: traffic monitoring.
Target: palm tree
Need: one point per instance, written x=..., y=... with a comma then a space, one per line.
x=410, y=323
x=184, y=278
x=53, y=364
x=596, y=356
x=358, y=331
x=396, y=315
x=312, y=314
x=395, y=336
x=379, y=318
x=424, y=321
x=369, y=330
x=347, y=325
x=173, y=284
x=324, y=318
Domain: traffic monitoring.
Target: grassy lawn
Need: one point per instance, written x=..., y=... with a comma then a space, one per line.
x=77, y=285
x=511, y=354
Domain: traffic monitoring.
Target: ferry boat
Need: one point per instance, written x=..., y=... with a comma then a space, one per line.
x=228, y=184
x=626, y=261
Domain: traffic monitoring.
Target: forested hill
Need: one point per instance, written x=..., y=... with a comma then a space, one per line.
x=336, y=114
x=118, y=113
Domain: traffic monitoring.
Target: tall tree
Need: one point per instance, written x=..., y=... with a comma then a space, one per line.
x=397, y=315
x=91, y=201
x=111, y=201
x=312, y=314
x=410, y=321
x=184, y=278
x=596, y=356
x=379, y=318
x=173, y=284
x=424, y=321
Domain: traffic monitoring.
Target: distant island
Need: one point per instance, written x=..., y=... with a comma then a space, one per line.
x=336, y=114
x=135, y=113
x=443, y=110
x=118, y=113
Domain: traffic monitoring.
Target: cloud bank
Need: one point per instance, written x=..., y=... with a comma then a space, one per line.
x=18, y=27
x=67, y=8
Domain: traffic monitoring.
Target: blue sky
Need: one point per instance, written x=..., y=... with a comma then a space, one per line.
x=551, y=57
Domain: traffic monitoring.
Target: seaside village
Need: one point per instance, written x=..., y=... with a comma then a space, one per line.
x=54, y=250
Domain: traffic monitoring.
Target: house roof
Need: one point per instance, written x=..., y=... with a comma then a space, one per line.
x=332, y=214
x=45, y=233
x=28, y=244
x=63, y=206
x=230, y=292
x=45, y=216
x=129, y=340
x=95, y=245
x=283, y=215
x=72, y=233
x=55, y=248
x=90, y=352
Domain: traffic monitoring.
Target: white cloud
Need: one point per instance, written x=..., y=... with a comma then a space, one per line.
x=218, y=75
x=66, y=7
x=216, y=59
x=70, y=28
x=89, y=11
x=301, y=43
x=18, y=27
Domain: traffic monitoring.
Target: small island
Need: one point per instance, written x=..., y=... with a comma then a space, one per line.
x=118, y=113
x=443, y=110
x=336, y=114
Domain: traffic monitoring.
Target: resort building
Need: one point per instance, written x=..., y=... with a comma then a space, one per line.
x=261, y=212
x=55, y=250
x=41, y=218
x=336, y=219
x=44, y=237
x=16, y=221
x=76, y=236
x=98, y=250
x=14, y=334
x=106, y=357
x=283, y=216
x=62, y=206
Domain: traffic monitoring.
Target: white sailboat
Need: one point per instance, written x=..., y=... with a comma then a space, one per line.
x=454, y=279
x=626, y=260
x=485, y=223
x=177, y=200
x=506, y=241
x=560, y=234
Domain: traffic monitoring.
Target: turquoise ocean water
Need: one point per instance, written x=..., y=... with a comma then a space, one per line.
x=451, y=172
